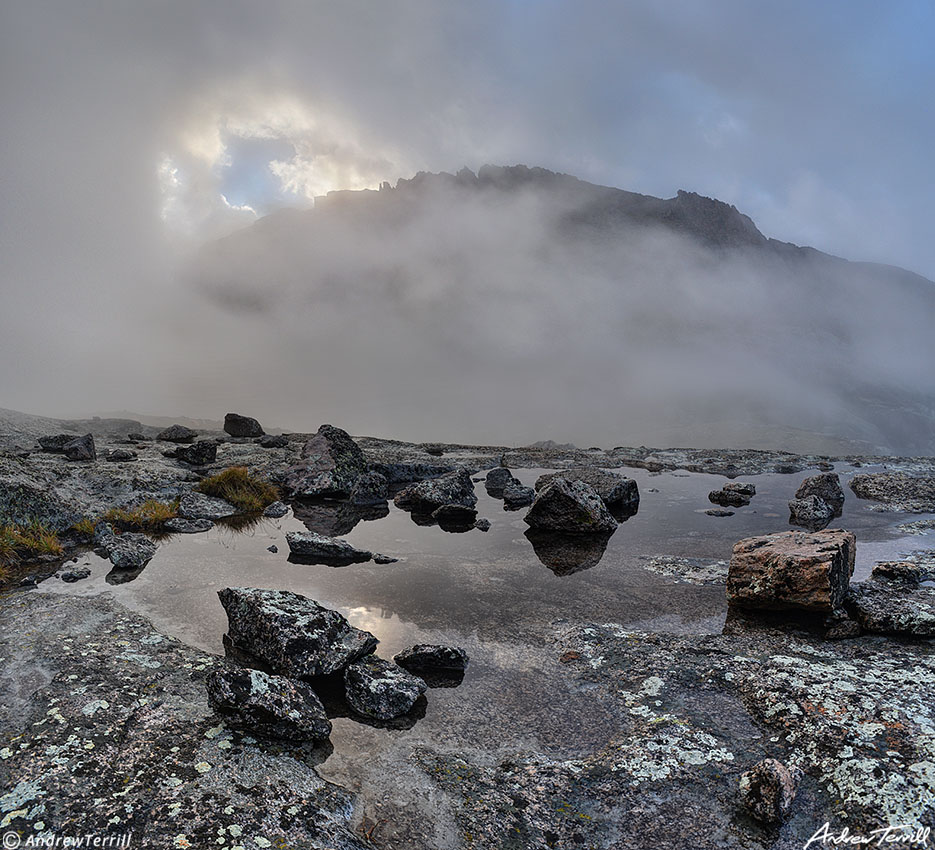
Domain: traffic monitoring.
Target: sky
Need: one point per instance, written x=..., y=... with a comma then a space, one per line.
x=133, y=132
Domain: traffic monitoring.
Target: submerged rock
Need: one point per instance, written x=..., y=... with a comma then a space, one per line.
x=267, y=705
x=570, y=507
x=81, y=448
x=180, y=525
x=892, y=607
x=242, y=426
x=128, y=551
x=198, y=454
x=826, y=487
x=177, y=434
x=330, y=464
x=811, y=512
x=380, y=689
x=767, y=791
x=200, y=506
x=424, y=497
x=312, y=546
x=792, y=570
x=618, y=492
x=293, y=635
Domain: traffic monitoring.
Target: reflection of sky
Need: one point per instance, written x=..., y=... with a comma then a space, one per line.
x=246, y=178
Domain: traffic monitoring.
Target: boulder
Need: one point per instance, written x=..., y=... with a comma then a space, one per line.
x=180, y=525
x=271, y=442
x=137, y=437
x=424, y=656
x=198, y=454
x=434, y=449
x=424, y=497
x=742, y=487
x=496, y=480
x=792, y=570
x=482, y=524
x=320, y=549
x=119, y=455
x=267, y=705
x=128, y=551
x=811, y=512
x=81, y=448
x=330, y=464
x=915, y=493
x=293, y=635
x=728, y=498
x=177, y=434
x=55, y=442
x=516, y=495
x=617, y=491
x=767, y=791
x=380, y=689
x=371, y=488
x=908, y=572
x=570, y=507
x=892, y=607
x=827, y=487
x=200, y=506
x=276, y=510
x=76, y=574
x=242, y=426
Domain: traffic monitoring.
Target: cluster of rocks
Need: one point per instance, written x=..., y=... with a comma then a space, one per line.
x=735, y=494
x=818, y=500
x=298, y=643
x=74, y=448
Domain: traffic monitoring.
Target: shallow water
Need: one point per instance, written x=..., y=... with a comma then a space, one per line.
x=490, y=594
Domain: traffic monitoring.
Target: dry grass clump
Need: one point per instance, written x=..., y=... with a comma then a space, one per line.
x=243, y=490
x=27, y=541
x=149, y=516
x=85, y=527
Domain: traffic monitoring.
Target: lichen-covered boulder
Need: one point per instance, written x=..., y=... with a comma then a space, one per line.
x=330, y=464
x=827, y=487
x=892, y=607
x=128, y=551
x=380, y=689
x=310, y=545
x=81, y=448
x=570, y=507
x=370, y=489
x=293, y=635
x=516, y=495
x=728, y=498
x=177, y=434
x=792, y=570
x=242, y=426
x=276, y=510
x=767, y=791
x=198, y=454
x=811, y=512
x=424, y=497
x=616, y=491
x=267, y=705
x=425, y=656
x=56, y=442
x=897, y=490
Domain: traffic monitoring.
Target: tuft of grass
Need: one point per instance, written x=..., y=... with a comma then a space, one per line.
x=85, y=527
x=243, y=490
x=149, y=516
x=27, y=541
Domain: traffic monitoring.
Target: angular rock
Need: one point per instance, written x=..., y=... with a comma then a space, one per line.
x=482, y=524
x=570, y=507
x=55, y=442
x=274, y=442
x=273, y=548
x=371, y=488
x=767, y=791
x=276, y=510
x=310, y=545
x=267, y=705
x=908, y=572
x=899, y=491
x=293, y=635
x=496, y=480
x=198, y=454
x=137, y=437
x=728, y=498
x=76, y=574
x=618, y=492
x=893, y=608
x=331, y=462
x=180, y=525
x=455, y=515
x=177, y=434
x=827, y=487
x=516, y=495
x=742, y=487
x=200, y=506
x=384, y=559
x=242, y=426
x=81, y=448
x=128, y=551
x=424, y=497
x=718, y=512
x=425, y=656
x=380, y=689
x=792, y=570
x=811, y=512
x=118, y=455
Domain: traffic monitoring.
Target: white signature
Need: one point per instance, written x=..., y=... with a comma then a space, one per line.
x=902, y=834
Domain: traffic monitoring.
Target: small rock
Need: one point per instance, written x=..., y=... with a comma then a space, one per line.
x=811, y=512
x=424, y=656
x=380, y=689
x=198, y=454
x=384, y=559
x=571, y=507
x=728, y=498
x=242, y=426
x=767, y=791
x=177, y=434
x=741, y=487
x=128, y=551
x=482, y=524
x=718, y=512
x=180, y=525
x=76, y=574
x=274, y=442
x=268, y=705
x=276, y=510
x=516, y=495
x=81, y=448
x=274, y=549
x=118, y=455
x=310, y=545
x=200, y=506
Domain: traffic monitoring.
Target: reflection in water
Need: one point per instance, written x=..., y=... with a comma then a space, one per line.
x=565, y=554
x=116, y=576
x=335, y=519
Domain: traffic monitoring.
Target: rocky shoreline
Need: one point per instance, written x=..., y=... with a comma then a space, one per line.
x=108, y=726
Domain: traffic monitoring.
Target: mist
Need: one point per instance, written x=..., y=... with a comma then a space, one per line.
x=144, y=148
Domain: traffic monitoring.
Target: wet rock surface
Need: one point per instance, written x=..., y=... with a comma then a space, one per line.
x=570, y=507
x=380, y=689
x=293, y=635
x=328, y=550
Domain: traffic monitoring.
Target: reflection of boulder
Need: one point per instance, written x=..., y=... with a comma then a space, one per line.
x=565, y=554
x=116, y=576
x=335, y=519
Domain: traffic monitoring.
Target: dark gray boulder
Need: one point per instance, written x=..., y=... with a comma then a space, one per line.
x=380, y=689
x=76, y=574
x=321, y=549
x=242, y=426
x=200, y=506
x=329, y=466
x=128, y=551
x=892, y=607
x=767, y=791
x=120, y=455
x=180, y=525
x=177, y=434
x=617, y=491
x=719, y=512
x=198, y=454
x=496, y=480
x=728, y=498
x=827, y=486
x=81, y=448
x=742, y=487
x=909, y=572
x=55, y=442
x=810, y=512
x=482, y=524
x=424, y=497
x=371, y=488
x=293, y=635
x=570, y=507
x=276, y=510
x=517, y=495
x=267, y=705
x=274, y=442
x=425, y=656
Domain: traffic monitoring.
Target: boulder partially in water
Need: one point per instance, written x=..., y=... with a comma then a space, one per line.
x=330, y=465
x=728, y=498
x=293, y=635
x=517, y=495
x=380, y=689
x=200, y=506
x=897, y=490
x=496, y=480
x=811, y=512
x=424, y=497
x=127, y=551
x=425, y=656
x=321, y=549
x=827, y=487
x=618, y=492
x=570, y=507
